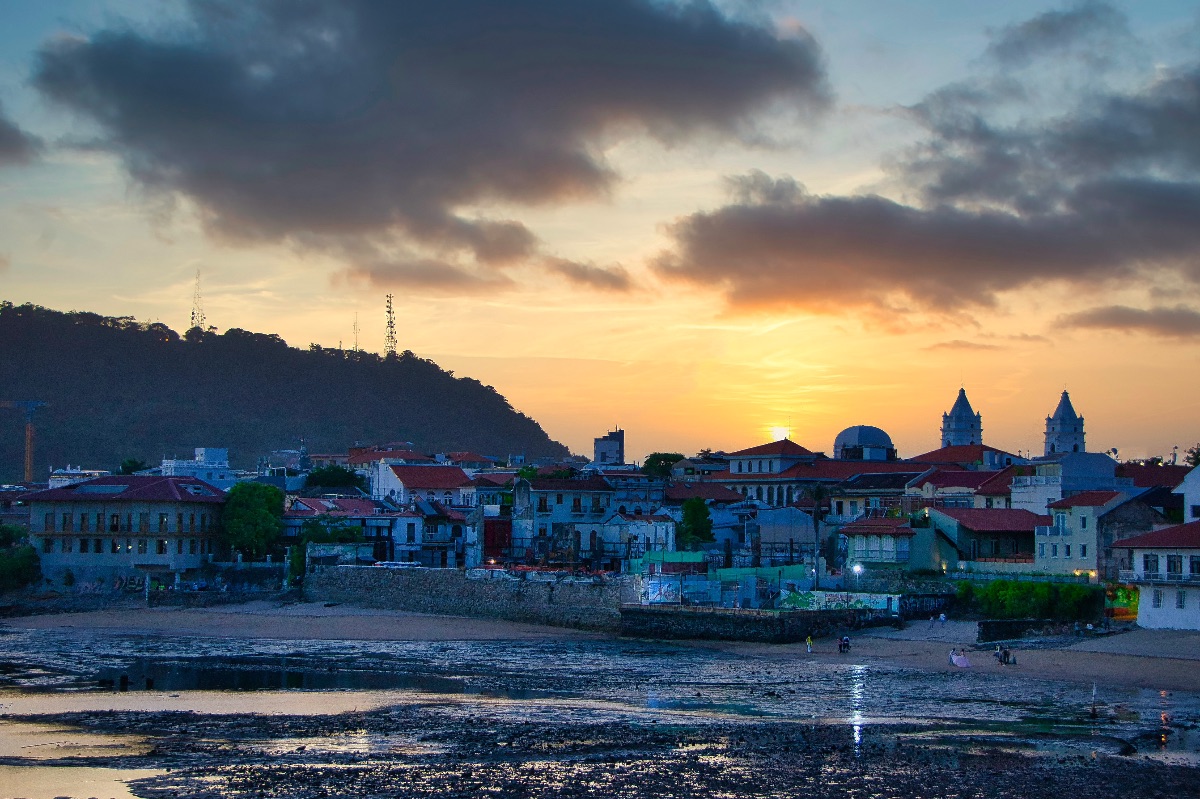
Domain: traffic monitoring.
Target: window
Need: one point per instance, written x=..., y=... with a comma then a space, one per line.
x=97, y=546
x=162, y=522
x=1150, y=563
x=1195, y=508
x=47, y=545
x=1054, y=550
x=128, y=546
x=542, y=505
x=1180, y=600
x=141, y=546
x=1175, y=565
x=66, y=545
x=1156, y=598
x=161, y=547
x=191, y=546
x=203, y=522
x=179, y=522
x=577, y=505
x=1082, y=522
x=192, y=523
x=179, y=547
x=48, y=522
x=1195, y=567
x=143, y=522
x=83, y=522
x=1066, y=550
x=1041, y=550
x=67, y=523
x=1196, y=511
x=83, y=545
x=114, y=523
x=116, y=546
x=558, y=499
x=99, y=522
x=1083, y=550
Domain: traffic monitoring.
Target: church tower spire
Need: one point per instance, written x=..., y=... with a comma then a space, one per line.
x=1064, y=429
x=961, y=425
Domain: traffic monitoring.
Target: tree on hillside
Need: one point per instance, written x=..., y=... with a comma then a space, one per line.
x=19, y=565
x=658, y=464
x=1192, y=456
x=696, y=527
x=132, y=466
x=335, y=477
x=253, y=518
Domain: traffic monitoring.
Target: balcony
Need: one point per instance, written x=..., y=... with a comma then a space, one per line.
x=1036, y=480
x=1051, y=530
x=1157, y=577
x=880, y=555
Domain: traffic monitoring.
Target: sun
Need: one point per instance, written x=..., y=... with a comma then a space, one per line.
x=780, y=433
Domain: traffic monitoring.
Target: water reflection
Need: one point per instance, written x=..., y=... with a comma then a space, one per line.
x=858, y=691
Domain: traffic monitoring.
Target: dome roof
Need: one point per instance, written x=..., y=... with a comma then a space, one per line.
x=861, y=435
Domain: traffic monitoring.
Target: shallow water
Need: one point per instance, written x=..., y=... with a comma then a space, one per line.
x=447, y=693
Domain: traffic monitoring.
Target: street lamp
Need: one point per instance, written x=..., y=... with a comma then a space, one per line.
x=857, y=574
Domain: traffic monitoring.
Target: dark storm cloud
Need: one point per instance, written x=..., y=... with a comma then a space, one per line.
x=1177, y=322
x=283, y=117
x=16, y=146
x=1107, y=191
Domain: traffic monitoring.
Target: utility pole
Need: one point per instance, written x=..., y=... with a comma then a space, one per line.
x=29, y=406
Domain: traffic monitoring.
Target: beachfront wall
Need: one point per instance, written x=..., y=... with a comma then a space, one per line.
x=537, y=598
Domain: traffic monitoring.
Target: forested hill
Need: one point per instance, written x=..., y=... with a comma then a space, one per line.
x=117, y=388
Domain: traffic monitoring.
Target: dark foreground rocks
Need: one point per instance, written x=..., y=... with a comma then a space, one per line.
x=455, y=749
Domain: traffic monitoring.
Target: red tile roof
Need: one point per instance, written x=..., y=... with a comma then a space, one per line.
x=880, y=526
x=826, y=469
x=416, y=478
x=783, y=447
x=374, y=456
x=469, y=457
x=560, y=484
x=1087, y=499
x=1000, y=483
x=1151, y=476
x=995, y=520
x=956, y=478
x=1181, y=536
x=680, y=492
x=133, y=488
x=962, y=453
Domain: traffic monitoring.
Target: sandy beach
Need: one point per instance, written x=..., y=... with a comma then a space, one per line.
x=1158, y=659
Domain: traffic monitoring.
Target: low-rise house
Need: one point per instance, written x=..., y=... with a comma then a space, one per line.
x=387, y=528
x=971, y=457
x=622, y=537
x=1063, y=475
x=210, y=464
x=879, y=542
x=113, y=528
x=74, y=474
x=947, y=488
x=1165, y=566
x=869, y=494
x=407, y=483
x=996, y=491
x=988, y=539
x=547, y=510
x=1079, y=541
x=1189, y=489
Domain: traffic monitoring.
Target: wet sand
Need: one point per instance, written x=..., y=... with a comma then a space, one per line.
x=1159, y=659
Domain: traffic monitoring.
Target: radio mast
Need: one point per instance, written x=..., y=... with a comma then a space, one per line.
x=389, y=342
x=198, y=318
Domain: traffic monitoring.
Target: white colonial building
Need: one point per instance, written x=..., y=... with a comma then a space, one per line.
x=1165, y=566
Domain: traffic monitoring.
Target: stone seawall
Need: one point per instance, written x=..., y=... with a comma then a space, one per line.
x=733, y=624
x=560, y=602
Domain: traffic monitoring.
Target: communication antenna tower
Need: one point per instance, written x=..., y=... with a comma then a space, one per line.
x=198, y=317
x=356, y=332
x=389, y=343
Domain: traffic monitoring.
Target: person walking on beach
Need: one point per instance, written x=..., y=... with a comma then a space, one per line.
x=932, y=620
x=942, y=619
x=808, y=643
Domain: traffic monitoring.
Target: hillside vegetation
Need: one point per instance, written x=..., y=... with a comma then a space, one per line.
x=118, y=388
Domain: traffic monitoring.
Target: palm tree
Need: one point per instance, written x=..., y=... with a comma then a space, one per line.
x=818, y=493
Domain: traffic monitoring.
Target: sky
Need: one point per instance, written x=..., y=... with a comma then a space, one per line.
x=705, y=223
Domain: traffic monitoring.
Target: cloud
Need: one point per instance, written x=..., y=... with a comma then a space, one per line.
x=959, y=344
x=1177, y=322
x=1001, y=197
x=1092, y=30
x=614, y=278
x=5, y=263
x=16, y=146
x=283, y=121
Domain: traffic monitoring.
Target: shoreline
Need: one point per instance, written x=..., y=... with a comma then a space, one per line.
x=1120, y=660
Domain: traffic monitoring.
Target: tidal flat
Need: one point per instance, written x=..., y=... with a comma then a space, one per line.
x=108, y=713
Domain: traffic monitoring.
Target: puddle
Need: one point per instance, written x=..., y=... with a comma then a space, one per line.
x=52, y=742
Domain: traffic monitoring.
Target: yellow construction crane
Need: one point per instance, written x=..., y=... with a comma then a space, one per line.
x=29, y=406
